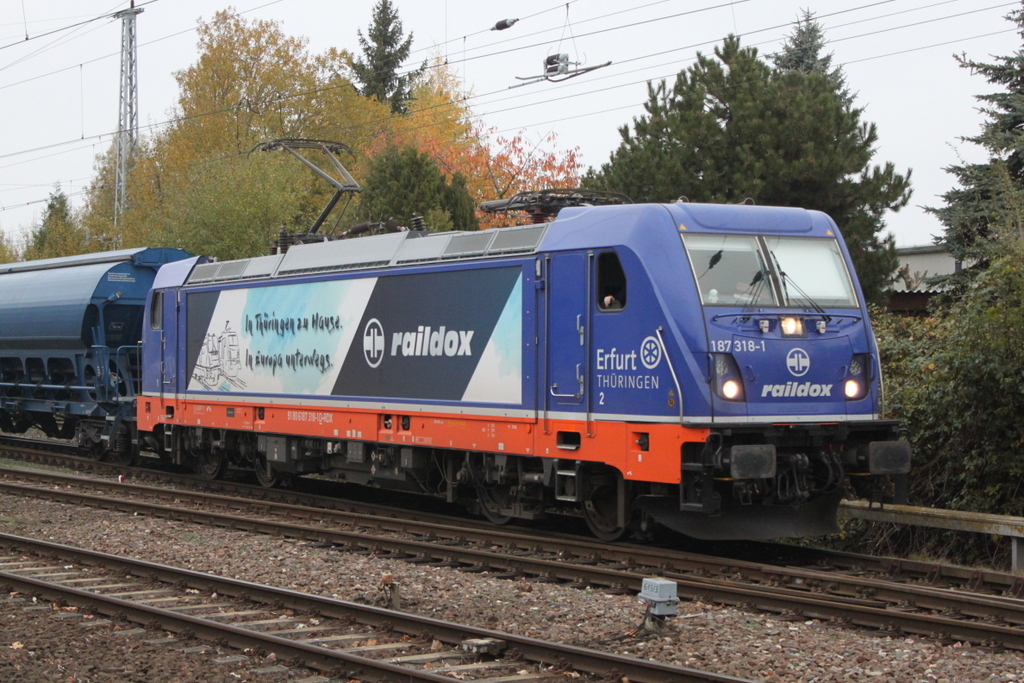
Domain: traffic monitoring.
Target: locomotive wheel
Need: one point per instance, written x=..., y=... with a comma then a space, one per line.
x=495, y=501
x=126, y=457
x=267, y=480
x=210, y=463
x=601, y=508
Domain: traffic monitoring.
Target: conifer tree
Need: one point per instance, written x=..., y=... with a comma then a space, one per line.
x=384, y=51
x=401, y=183
x=984, y=209
x=57, y=234
x=802, y=51
x=732, y=127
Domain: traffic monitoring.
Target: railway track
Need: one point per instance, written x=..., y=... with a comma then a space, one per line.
x=780, y=554
x=862, y=600
x=356, y=641
x=898, y=569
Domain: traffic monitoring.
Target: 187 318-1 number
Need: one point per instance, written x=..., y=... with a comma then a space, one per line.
x=737, y=345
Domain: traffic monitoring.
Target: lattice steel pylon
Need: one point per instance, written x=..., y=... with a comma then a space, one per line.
x=128, y=121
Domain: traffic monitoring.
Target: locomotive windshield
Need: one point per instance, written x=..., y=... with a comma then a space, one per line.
x=748, y=270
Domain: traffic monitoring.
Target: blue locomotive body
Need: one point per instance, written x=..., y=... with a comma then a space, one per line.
x=710, y=367
x=707, y=367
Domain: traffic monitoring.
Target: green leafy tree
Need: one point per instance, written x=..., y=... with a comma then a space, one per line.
x=459, y=204
x=404, y=182
x=8, y=252
x=57, y=234
x=975, y=213
x=196, y=186
x=954, y=380
x=384, y=49
x=732, y=127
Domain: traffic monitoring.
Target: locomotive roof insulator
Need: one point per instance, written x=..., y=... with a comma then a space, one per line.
x=544, y=205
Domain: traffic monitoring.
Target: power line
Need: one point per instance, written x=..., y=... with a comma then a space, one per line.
x=8, y=207
x=115, y=54
x=226, y=109
x=687, y=47
x=49, y=46
x=576, y=115
x=933, y=45
x=108, y=15
x=528, y=16
x=690, y=47
x=618, y=28
x=550, y=100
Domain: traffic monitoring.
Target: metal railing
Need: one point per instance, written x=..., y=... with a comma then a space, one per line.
x=955, y=520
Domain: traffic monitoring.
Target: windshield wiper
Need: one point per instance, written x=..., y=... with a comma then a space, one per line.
x=786, y=281
x=755, y=289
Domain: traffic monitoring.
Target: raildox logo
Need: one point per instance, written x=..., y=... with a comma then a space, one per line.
x=373, y=343
x=798, y=362
x=798, y=389
x=432, y=342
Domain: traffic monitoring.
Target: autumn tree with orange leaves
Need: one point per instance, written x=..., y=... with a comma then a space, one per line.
x=195, y=184
x=441, y=125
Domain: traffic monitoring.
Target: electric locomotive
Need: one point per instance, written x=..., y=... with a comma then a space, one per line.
x=707, y=367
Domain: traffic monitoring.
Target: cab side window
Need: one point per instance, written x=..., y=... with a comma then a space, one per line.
x=156, y=311
x=611, y=282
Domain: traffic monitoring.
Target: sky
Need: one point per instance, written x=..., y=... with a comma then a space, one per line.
x=59, y=94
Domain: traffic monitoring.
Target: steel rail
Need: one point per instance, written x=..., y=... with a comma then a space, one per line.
x=930, y=572
x=666, y=563
x=870, y=613
x=583, y=659
x=671, y=564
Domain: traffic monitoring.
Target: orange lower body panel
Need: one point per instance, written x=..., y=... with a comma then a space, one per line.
x=619, y=444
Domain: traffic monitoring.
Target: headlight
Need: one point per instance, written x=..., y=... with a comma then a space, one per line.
x=792, y=327
x=731, y=389
x=853, y=388
x=727, y=382
x=858, y=377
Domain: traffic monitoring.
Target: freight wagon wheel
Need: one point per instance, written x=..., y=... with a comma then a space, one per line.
x=125, y=458
x=496, y=502
x=210, y=463
x=95, y=450
x=89, y=440
x=601, y=506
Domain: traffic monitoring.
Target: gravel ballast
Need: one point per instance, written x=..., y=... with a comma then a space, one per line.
x=737, y=642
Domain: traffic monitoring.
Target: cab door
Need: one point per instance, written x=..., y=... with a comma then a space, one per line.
x=568, y=330
x=169, y=347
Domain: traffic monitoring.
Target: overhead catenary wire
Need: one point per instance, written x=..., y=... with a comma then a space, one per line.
x=576, y=115
x=106, y=15
x=170, y=121
x=502, y=90
x=546, y=122
x=118, y=53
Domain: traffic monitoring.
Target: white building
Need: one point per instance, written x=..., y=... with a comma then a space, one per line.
x=911, y=291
